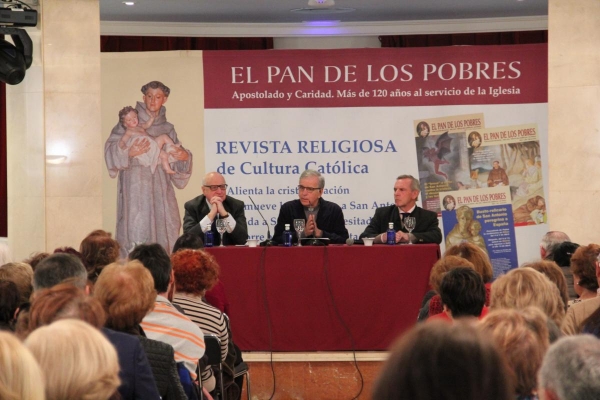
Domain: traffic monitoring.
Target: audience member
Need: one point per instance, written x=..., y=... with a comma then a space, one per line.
x=9, y=305
x=584, y=265
x=439, y=269
x=562, y=257
x=523, y=340
x=438, y=360
x=463, y=295
x=20, y=374
x=571, y=370
x=188, y=240
x=165, y=323
x=195, y=272
x=35, y=258
x=554, y=273
x=550, y=241
x=524, y=287
x=65, y=301
x=22, y=275
x=98, y=249
x=56, y=268
x=77, y=360
x=127, y=294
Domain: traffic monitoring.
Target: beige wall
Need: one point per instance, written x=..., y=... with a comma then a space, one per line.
x=574, y=118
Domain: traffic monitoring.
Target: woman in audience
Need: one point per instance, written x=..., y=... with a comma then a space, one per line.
x=20, y=374
x=522, y=337
x=196, y=272
x=77, y=360
x=127, y=294
x=554, y=273
x=583, y=266
x=9, y=304
x=22, y=275
x=439, y=269
x=35, y=258
x=98, y=249
x=438, y=360
x=524, y=287
x=481, y=263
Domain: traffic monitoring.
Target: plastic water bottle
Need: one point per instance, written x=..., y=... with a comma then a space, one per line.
x=208, y=239
x=287, y=236
x=391, y=234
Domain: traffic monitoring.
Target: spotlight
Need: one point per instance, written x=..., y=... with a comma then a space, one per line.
x=15, y=59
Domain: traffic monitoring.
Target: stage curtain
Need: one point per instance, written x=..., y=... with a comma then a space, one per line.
x=465, y=39
x=159, y=43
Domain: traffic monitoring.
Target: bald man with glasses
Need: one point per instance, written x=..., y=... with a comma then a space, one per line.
x=324, y=219
x=202, y=212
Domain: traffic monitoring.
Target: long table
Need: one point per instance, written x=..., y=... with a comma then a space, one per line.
x=334, y=298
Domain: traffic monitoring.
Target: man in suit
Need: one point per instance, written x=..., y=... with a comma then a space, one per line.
x=406, y=193
x=202, y=212
x=324, y=219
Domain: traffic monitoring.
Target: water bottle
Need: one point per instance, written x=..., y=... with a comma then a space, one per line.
x=391, y=234
x=287, y=236
x=208, y=239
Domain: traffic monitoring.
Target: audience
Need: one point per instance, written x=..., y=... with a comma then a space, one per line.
x=77, y=360
x=463, y=295
x=550, y=242
x=127, y=294
x=195, y=273
x=571, y=370
x=98, y=249
x=20, y=374
x=438, y=360
x=562, y=256
x=35, y=258
x=165, y=323
x=522, y=337
x=56, y=268
x=554, y=273
x=523, y=287
x=22, y=275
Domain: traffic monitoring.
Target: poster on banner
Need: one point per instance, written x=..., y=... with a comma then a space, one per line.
x=510, y=156
x=442, y=155
x=482, y=217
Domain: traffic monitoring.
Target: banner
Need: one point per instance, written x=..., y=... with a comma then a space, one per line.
x=358, y=115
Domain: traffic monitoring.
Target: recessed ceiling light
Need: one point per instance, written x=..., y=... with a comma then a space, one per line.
x=318, y=10
x=128, y=3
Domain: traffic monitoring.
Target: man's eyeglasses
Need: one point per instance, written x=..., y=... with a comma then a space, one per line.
x=309, y=189
x=214, y=188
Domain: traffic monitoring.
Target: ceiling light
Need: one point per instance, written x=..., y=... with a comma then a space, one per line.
x=128, y=3
x=321, y=3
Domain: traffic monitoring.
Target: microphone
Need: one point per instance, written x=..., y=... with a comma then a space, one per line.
x=349, y=241
x=267, y=242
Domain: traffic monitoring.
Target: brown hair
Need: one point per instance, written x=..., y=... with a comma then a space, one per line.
x=524, y=287
x=554, y=273
x=476, y=256
x=523, y=339
x=127, y=294
x=22, y=276
x=437, y=360
x=583, y=264
x=195, y=271
x=442, y=266
x=35, y=258
x=98, y=249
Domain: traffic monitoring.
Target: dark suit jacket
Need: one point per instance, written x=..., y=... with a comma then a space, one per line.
x=197, y=208
x=330, y=220
x=426, y=230
x=137, y=380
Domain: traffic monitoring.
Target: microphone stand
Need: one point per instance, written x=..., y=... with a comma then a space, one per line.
x=267, y=242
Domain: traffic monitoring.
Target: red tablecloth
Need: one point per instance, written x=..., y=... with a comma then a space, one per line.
x=318, y=298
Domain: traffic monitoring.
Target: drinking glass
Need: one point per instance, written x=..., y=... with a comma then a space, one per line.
x=409, y=224
x=221, y=228
x=299, y=225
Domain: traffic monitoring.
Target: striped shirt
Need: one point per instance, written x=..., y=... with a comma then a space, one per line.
x=209, y=319
x=168, y=325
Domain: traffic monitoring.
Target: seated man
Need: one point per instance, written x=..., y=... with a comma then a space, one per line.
x=165, y=323
x=463, y=295
x=406, y=193
x=202, y=212
x=324, y=219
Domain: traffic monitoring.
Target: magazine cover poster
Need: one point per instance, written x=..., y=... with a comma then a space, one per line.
x=511, y=156
x=482, y=217
x=442, y=154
